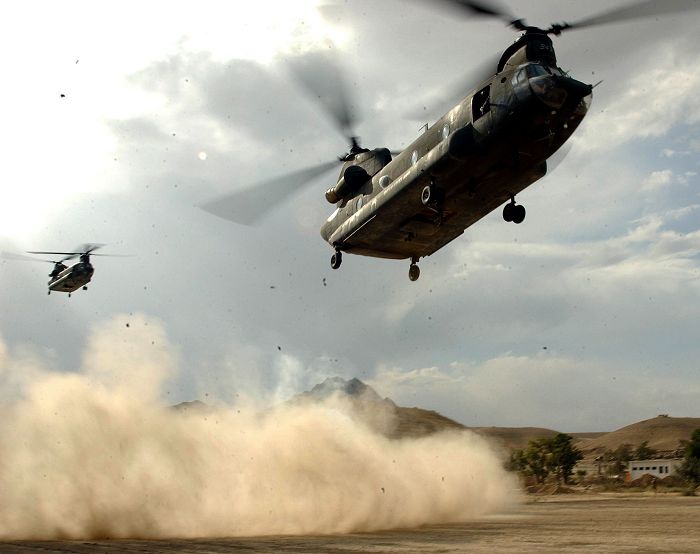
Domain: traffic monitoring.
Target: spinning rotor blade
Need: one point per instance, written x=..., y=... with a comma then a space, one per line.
x=23, y=258
x=647, y=8
x=438, y=103
x=487, y=8
x=82, y=249
x=249, y=205
x=321, y=76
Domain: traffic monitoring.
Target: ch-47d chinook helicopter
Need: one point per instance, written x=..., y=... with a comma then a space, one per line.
x=65, y=278
x=483, y=152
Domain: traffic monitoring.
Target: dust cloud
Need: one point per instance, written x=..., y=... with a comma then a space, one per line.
x=98, y=454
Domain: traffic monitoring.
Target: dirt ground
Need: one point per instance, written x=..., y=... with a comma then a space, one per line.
x=567, y=523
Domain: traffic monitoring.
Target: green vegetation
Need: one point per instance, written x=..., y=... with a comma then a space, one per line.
x=690, y=470
x=545, y=457
x=616, y=460
x=643, y=452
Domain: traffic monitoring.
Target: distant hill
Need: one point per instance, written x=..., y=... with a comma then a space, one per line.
x=353, y=388
x=399, y=421
x=380, y=413
x=663, y=433
x=514, y=437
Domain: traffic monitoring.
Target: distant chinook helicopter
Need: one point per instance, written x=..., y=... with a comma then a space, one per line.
x=67, y=278
x=480, y=154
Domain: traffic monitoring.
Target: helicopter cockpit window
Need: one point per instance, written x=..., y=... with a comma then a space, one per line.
x=536, y=70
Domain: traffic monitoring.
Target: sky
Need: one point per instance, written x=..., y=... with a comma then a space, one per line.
x=118, y=124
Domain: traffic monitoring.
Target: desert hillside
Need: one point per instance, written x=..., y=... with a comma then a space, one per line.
x=662, y=433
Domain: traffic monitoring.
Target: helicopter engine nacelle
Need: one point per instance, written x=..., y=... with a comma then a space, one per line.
x=353, y=178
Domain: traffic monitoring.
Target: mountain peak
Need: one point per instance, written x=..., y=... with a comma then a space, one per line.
x=353, y=387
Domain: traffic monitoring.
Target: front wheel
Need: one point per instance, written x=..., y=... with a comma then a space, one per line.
x=508, y=212
x=413, y=272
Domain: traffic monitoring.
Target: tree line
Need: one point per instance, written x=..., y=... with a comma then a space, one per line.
x=547, y=456
x=557, y=456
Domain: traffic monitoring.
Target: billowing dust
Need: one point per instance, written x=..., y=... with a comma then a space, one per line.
x=99, y=454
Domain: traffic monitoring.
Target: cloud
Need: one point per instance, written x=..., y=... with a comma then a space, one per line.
x=658, y=180
x=652, y=103
x=508, y=390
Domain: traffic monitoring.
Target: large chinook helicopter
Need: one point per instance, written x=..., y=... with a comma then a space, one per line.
x=64, y=278
x=484, y=151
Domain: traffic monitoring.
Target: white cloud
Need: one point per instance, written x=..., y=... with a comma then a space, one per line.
x=508, y=390
x=653, y=102
x=658, y=180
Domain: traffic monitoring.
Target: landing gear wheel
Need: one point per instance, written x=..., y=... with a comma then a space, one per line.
x=518, y=214
x=84, y=288
x=69, y=295
x=49, y=293
x=413, y=272
x=508, y=210
x=336, y=259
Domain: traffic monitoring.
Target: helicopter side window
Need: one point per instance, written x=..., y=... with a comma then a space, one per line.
x=481, y=103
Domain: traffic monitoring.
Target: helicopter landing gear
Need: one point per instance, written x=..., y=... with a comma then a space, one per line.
x=49, y=293
x=69, y=295
x=336, y=259
x=85, y=288
x=414, y=270
x=514, y=212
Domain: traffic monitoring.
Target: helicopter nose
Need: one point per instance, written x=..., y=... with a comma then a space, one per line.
x=549, y=91
x=555, y=90
x=575, y=89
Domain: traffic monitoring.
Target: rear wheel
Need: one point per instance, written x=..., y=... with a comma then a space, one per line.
x=518, y=214
x=413, y=272
x=336, y=260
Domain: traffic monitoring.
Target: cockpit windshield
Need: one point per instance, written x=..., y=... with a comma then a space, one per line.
x=536, y=70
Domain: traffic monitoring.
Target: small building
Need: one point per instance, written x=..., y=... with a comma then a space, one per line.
x=658, y=468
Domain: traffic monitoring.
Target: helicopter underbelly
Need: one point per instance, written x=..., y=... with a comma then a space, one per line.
x=390, y=234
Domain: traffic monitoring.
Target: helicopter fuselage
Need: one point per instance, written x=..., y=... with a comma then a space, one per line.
x=483, y=152
x=71, y=278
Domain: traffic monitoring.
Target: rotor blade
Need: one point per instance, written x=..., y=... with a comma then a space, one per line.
x=249, y=205
x=80, y=250
x=647, y=8
x=58, y=253
x=482, y=7
x=89, y=247
x=321, y=76
x=439, y=102
x=486, y=8
x=22, y=257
